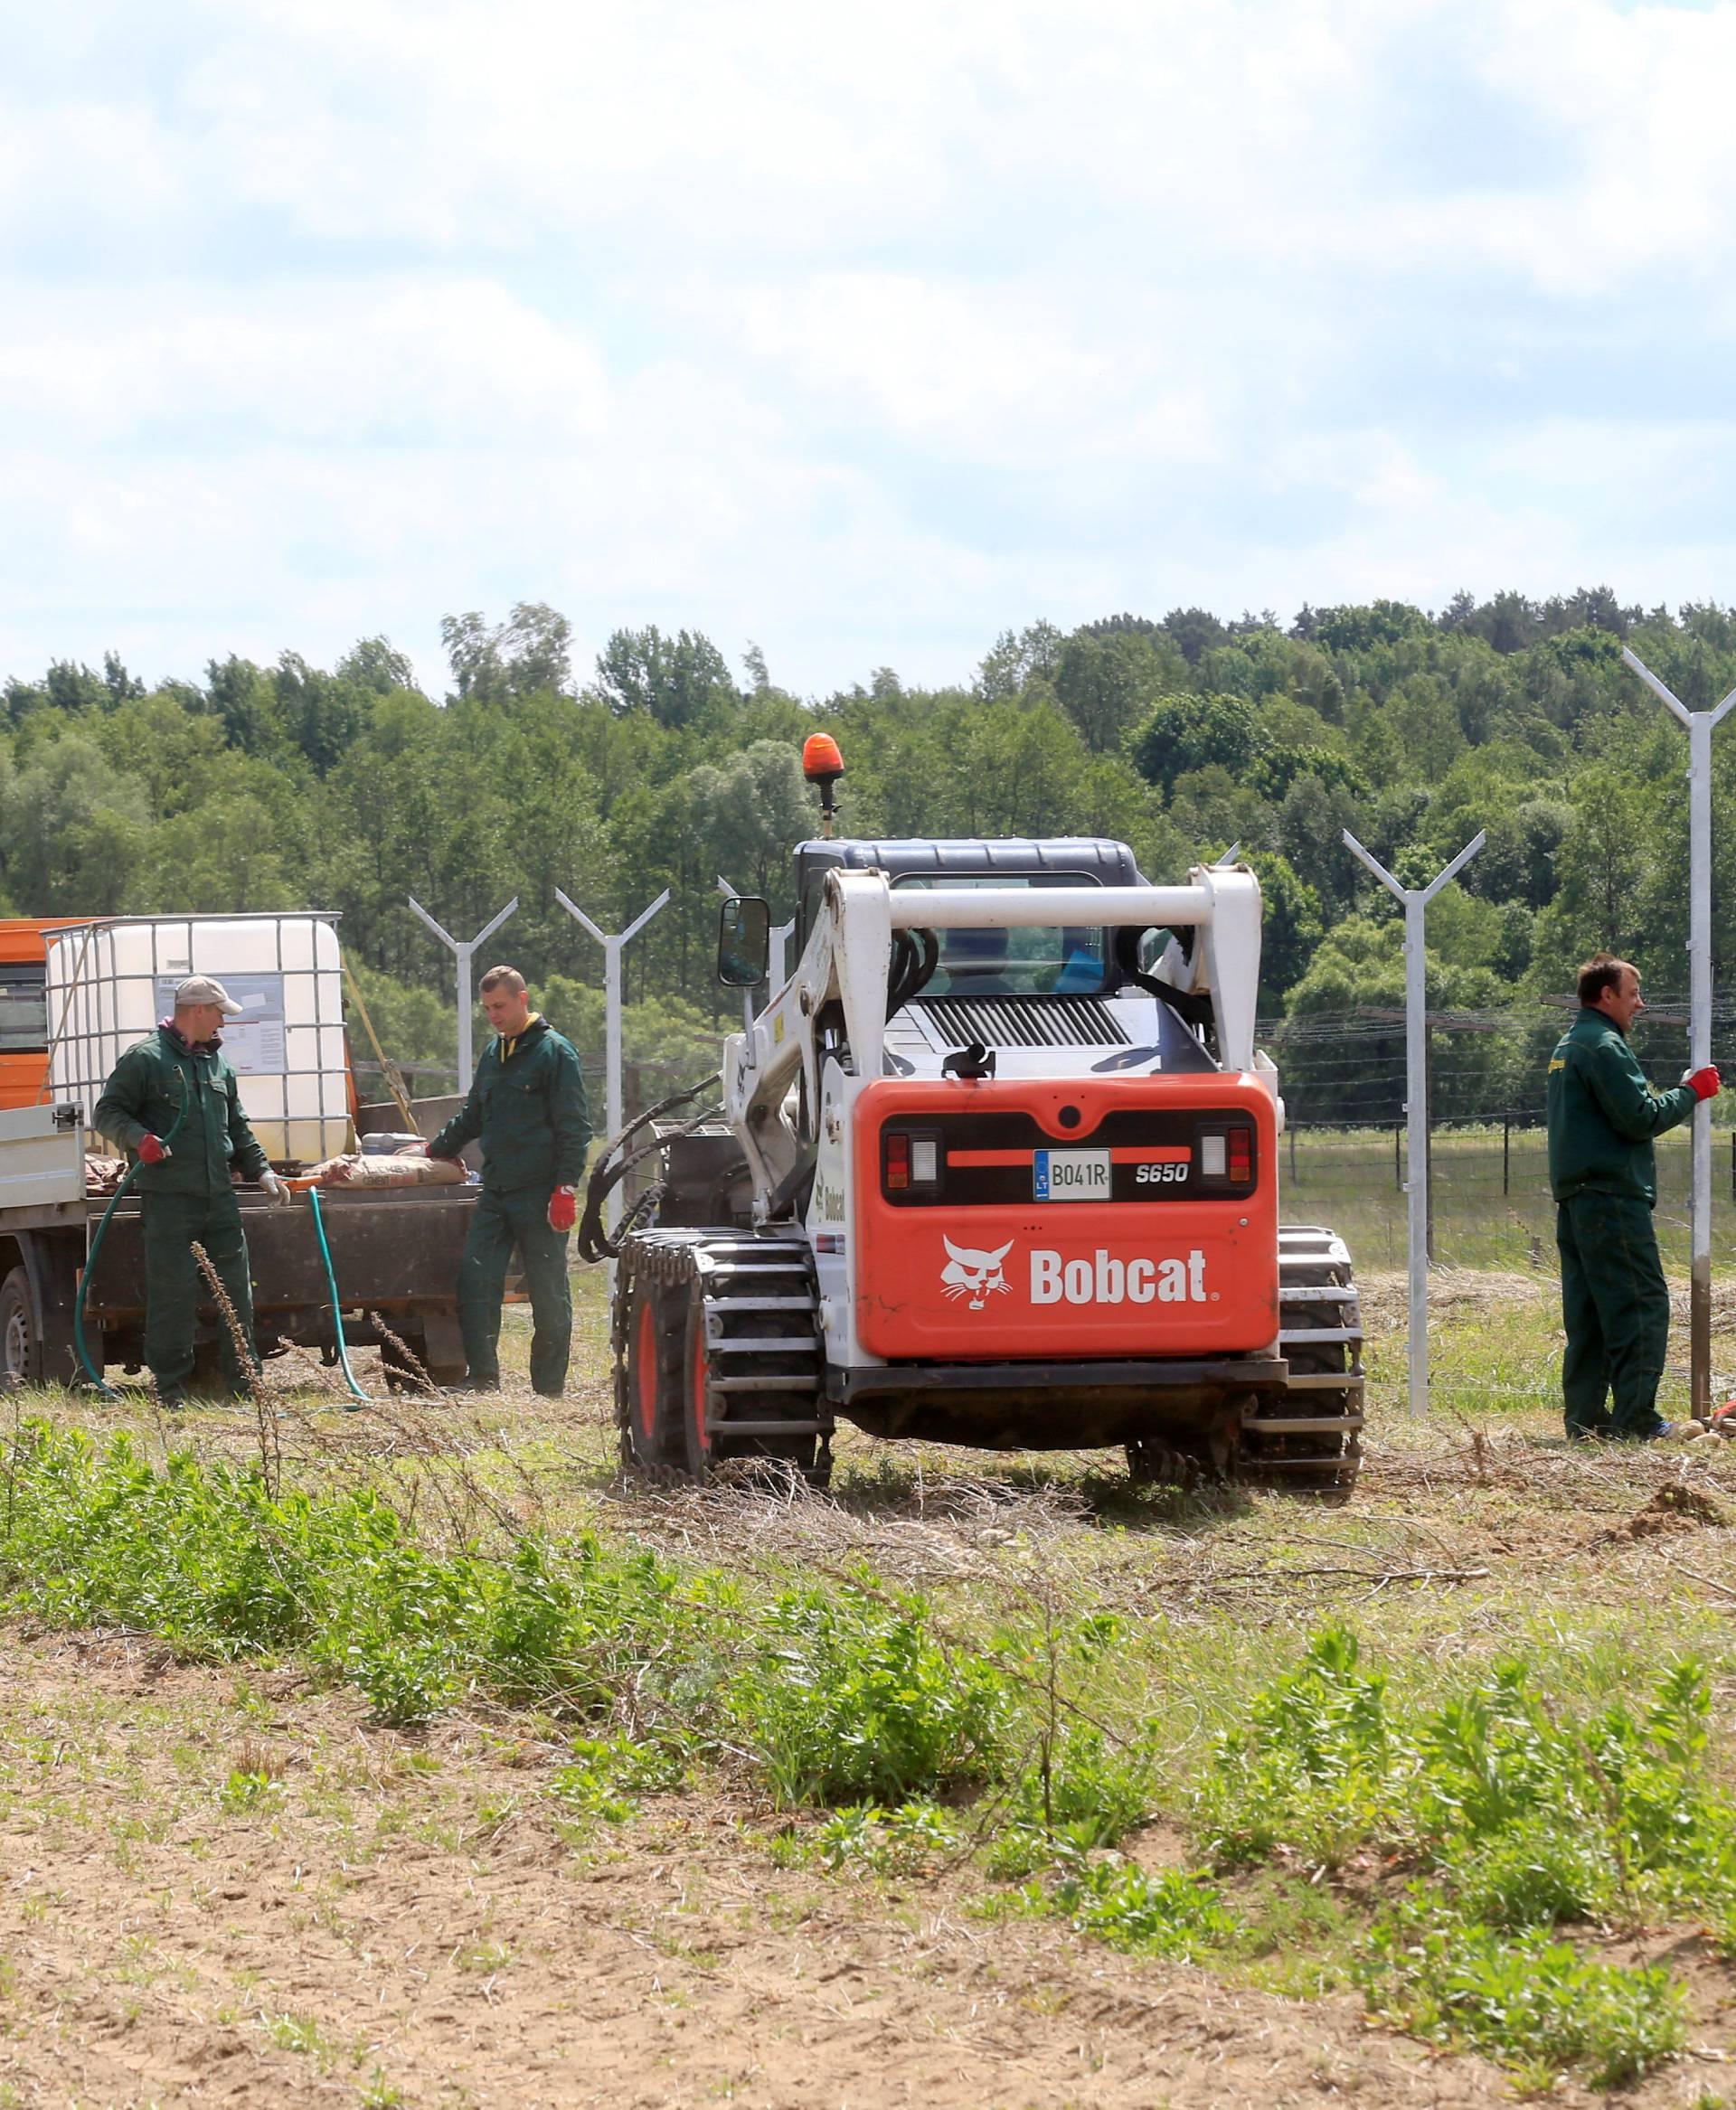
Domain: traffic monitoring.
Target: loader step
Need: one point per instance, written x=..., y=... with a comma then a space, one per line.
x=768, y=1344
x=735, y=1428
x=1325, y=1380
x=1291, y=1337
x=1305, y=1425
x=764, y=1382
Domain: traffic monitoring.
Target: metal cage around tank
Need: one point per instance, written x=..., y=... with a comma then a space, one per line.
x=109, y=980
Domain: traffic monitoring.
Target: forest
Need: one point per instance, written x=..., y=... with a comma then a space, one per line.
x=349, y=790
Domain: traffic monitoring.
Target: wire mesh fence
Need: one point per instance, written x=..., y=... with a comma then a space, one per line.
x=1489, y=1198
x=1345, y=1160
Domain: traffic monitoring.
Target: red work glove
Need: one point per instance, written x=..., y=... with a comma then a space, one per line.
x=563, y=1210
x=1705, y=1083
x=150, y=1151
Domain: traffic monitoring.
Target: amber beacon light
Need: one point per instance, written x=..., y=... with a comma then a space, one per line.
x=822, y=764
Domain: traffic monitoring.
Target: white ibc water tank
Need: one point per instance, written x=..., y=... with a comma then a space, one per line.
x=110, y=984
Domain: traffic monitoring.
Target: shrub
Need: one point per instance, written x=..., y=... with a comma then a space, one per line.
x=849, y=1699
x=1168, y=1913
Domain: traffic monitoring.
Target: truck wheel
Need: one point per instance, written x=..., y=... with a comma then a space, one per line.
x=20, y=1339
x=649, y=1398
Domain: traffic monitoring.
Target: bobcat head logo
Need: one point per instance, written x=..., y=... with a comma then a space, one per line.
x=975, y=1275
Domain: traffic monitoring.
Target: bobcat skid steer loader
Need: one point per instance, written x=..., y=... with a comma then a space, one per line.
x=996, y=1166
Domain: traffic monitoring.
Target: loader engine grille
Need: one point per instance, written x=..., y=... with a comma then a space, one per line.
x=1025, y=1021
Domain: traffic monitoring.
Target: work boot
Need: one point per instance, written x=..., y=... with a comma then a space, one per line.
x=1677, y=1432
x=472, y=1385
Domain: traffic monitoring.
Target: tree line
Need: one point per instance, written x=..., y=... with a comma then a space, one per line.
x=349, y=788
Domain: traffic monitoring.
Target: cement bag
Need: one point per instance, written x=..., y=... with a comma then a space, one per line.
x=371, y=1173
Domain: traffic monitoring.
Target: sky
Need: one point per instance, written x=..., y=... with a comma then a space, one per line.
x=862, y=334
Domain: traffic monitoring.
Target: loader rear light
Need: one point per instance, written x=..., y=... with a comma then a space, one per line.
x=910, y=1161
x=1225, y=1156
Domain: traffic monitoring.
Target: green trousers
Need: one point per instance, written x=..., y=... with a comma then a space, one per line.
x=1616, y=1307
x=174, y=1286
x=501, y=1221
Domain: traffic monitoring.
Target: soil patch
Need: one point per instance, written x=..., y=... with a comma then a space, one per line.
x=237, y=1893
x=1673, y=1508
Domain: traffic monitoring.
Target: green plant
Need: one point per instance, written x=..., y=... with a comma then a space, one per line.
x=607, y=1775
x=902, y=1841
x=851, y=1698
x=243, y=1791
x=1169, y=1912
x=1317, y=1769
x=299, y=2033
x=1528, y=1998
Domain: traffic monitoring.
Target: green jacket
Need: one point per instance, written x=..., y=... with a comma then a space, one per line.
x=527, y=1106
x=1603, y=1114
x=152, y=1082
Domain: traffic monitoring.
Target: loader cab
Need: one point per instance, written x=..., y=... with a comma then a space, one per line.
x=1073, y=960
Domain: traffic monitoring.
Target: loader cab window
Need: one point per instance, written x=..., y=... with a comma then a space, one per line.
x=1051, y=960
x=24, y=1008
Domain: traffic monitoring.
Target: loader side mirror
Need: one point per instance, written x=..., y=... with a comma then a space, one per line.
x=743, y=942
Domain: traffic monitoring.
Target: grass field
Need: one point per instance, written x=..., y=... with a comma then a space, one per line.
x=410, y=1757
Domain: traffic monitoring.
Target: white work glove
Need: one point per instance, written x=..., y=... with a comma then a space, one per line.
x=275, y=1187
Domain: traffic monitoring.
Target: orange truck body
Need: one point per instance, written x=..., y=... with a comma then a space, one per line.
x=23, y=1071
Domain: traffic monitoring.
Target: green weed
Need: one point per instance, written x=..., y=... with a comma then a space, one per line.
x=1166, y=1913
x=1529, y=1999
x=607, y=1775
x=1525, y=1821
x=849, y=1699
x=244, y=1790
x=908, y=1840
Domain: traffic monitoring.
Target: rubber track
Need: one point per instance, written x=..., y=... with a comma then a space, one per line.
x=765, y=1359
x=1320, y=1332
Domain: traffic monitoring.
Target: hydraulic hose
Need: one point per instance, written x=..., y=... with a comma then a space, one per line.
x=358, y=1397
x=106, y=1389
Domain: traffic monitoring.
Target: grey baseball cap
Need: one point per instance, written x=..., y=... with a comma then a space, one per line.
x=203, y=989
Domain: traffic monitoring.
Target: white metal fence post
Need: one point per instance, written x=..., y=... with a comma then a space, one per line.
x=1415, y=901
x=613, y=946
x=1700, y=724
x=464, y=951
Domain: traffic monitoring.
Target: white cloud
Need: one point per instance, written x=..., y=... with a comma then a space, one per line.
x=865, y=333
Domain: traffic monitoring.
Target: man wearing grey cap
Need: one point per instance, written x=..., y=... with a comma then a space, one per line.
x=172, y=1104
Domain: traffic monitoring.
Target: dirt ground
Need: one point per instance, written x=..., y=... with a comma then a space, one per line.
x=399, y=1920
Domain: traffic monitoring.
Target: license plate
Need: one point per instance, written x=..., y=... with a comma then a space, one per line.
x=1071, y=1176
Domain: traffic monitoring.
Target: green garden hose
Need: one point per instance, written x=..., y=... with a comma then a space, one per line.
x=103, y=1387
x=359, y=1398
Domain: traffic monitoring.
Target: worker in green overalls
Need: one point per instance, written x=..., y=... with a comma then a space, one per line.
x=174, y=1105
x=1603, y=1174
x=527, y=1107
